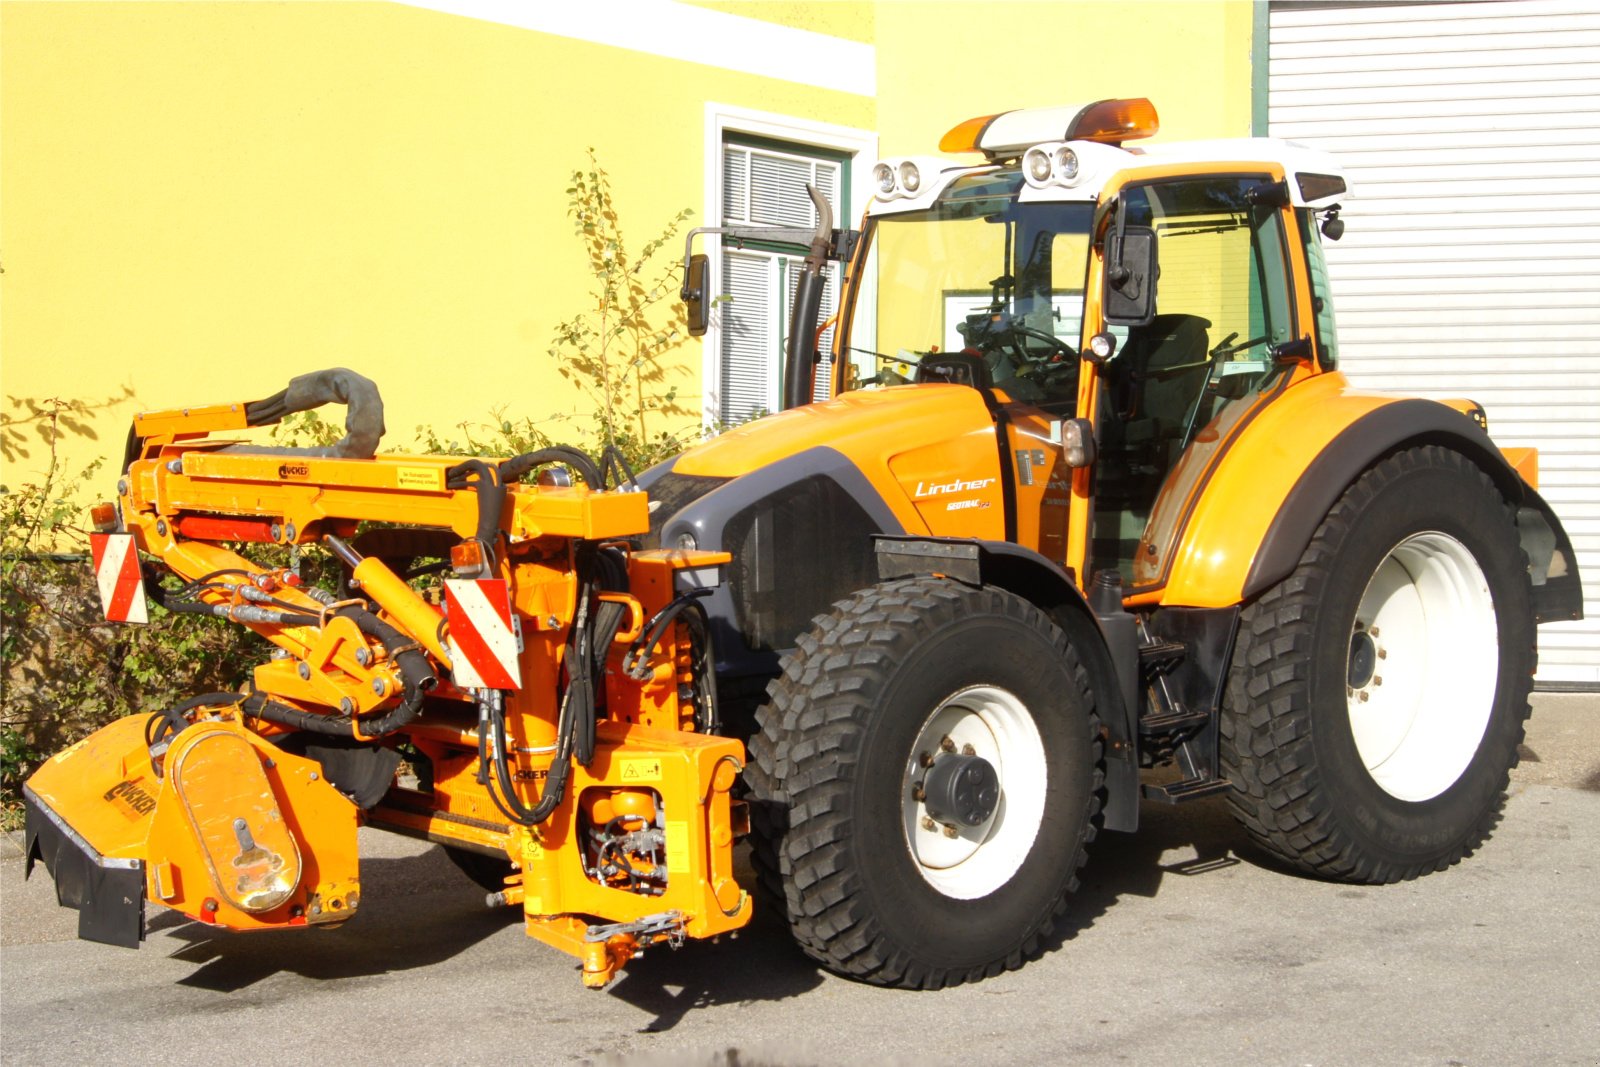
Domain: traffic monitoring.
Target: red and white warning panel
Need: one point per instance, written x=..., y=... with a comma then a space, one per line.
x=116, y=572
x=483, y=645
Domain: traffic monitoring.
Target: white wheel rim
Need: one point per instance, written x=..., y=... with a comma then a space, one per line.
x=992, y=723
x=1426, y=627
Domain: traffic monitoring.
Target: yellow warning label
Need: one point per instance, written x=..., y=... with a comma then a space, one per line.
x=678, y=848
x=641, y=770
x=419, y=477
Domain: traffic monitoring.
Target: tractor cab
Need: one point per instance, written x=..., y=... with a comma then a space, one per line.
x=1160, y=296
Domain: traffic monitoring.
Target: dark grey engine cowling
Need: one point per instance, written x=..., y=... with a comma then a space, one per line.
x=801, y=534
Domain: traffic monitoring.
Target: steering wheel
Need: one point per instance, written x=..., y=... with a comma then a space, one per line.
x=1044, y=373
x=1062, y=350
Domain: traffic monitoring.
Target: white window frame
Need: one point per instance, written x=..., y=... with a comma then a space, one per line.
x=722, y=120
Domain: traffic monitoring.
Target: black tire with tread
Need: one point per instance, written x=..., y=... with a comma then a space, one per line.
x=1301, y=789
x=827, y=763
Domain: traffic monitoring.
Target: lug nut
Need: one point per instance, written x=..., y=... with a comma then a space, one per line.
x=968, y=750
x=928, y=824
x=946, y=745
x=926, y=759
x=1377, y=680
x=1373, y=630
x=950, y=831
x=918, y=793
x=1383, y=653
x=1365, y=696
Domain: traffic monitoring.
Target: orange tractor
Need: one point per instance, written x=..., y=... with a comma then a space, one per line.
x=1093, y=518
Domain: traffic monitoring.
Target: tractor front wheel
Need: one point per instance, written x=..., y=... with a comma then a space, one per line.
x=924, y=782
x=1377, y=694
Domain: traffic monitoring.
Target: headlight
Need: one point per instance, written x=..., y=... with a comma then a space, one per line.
x=686, y=542
x=1037, y=163
x=910, y=176
x=1077, y=443
x=1066, y=164
x=883, y=178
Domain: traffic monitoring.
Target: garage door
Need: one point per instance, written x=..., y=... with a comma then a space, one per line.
x=1471, y=262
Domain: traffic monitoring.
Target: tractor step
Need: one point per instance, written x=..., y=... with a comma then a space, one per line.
x=1159, y=657
x=1188, y=789
x=1172, y=723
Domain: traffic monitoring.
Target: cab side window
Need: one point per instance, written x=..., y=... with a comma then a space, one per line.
x=1177, y=385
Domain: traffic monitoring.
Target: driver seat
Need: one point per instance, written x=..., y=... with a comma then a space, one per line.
x=1164, y=367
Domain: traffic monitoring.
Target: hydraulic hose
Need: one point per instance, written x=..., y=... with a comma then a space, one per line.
x=172, y=721
x=633, y=664
x=575, y=729
x=416, y=673
x=490, y=484
x=688, y=607
x=514, y=468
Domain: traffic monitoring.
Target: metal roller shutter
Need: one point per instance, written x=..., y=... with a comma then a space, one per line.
x=1471, y=263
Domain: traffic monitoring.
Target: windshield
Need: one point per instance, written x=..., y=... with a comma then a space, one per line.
x=981, y=273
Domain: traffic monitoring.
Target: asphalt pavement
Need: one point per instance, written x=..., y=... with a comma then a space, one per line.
x=1184, y=946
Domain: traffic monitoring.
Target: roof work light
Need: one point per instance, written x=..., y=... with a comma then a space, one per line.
x=1007, y=134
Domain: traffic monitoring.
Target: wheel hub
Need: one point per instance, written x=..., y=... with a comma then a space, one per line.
x=973, y=791
x=1423, y=661
x=1363, y=659
x=962, y=789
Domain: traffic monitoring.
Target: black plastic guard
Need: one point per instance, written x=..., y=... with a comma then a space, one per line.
x=108, y=893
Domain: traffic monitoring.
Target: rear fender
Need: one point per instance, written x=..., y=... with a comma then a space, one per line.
x=1264, y=502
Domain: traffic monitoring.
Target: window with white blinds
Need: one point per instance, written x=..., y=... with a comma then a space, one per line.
x=764, y=184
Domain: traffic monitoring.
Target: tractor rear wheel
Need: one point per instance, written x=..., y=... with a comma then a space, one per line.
x=1378, y=694
x=924, y=783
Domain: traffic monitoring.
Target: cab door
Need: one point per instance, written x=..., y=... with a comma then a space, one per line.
x=1177, y=390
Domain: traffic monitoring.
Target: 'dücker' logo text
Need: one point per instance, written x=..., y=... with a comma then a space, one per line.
x=130, y=798
x=293, y=470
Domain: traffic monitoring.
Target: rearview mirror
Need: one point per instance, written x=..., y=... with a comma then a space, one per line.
x=696, y=306
x=1129, y=298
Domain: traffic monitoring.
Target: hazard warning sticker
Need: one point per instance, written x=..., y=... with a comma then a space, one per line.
x=483, y=642
x=116, y=573
x=640, y=769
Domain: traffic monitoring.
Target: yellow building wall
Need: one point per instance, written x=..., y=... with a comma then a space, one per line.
x=940, y=63
x=849, y=19
x=199, y=201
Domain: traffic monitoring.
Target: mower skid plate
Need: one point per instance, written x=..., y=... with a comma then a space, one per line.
x=108, y=893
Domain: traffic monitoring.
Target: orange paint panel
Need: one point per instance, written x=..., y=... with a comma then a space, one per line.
x=955, y=484
x=1233, y=513
x=1525, y=461
x=873, y=429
